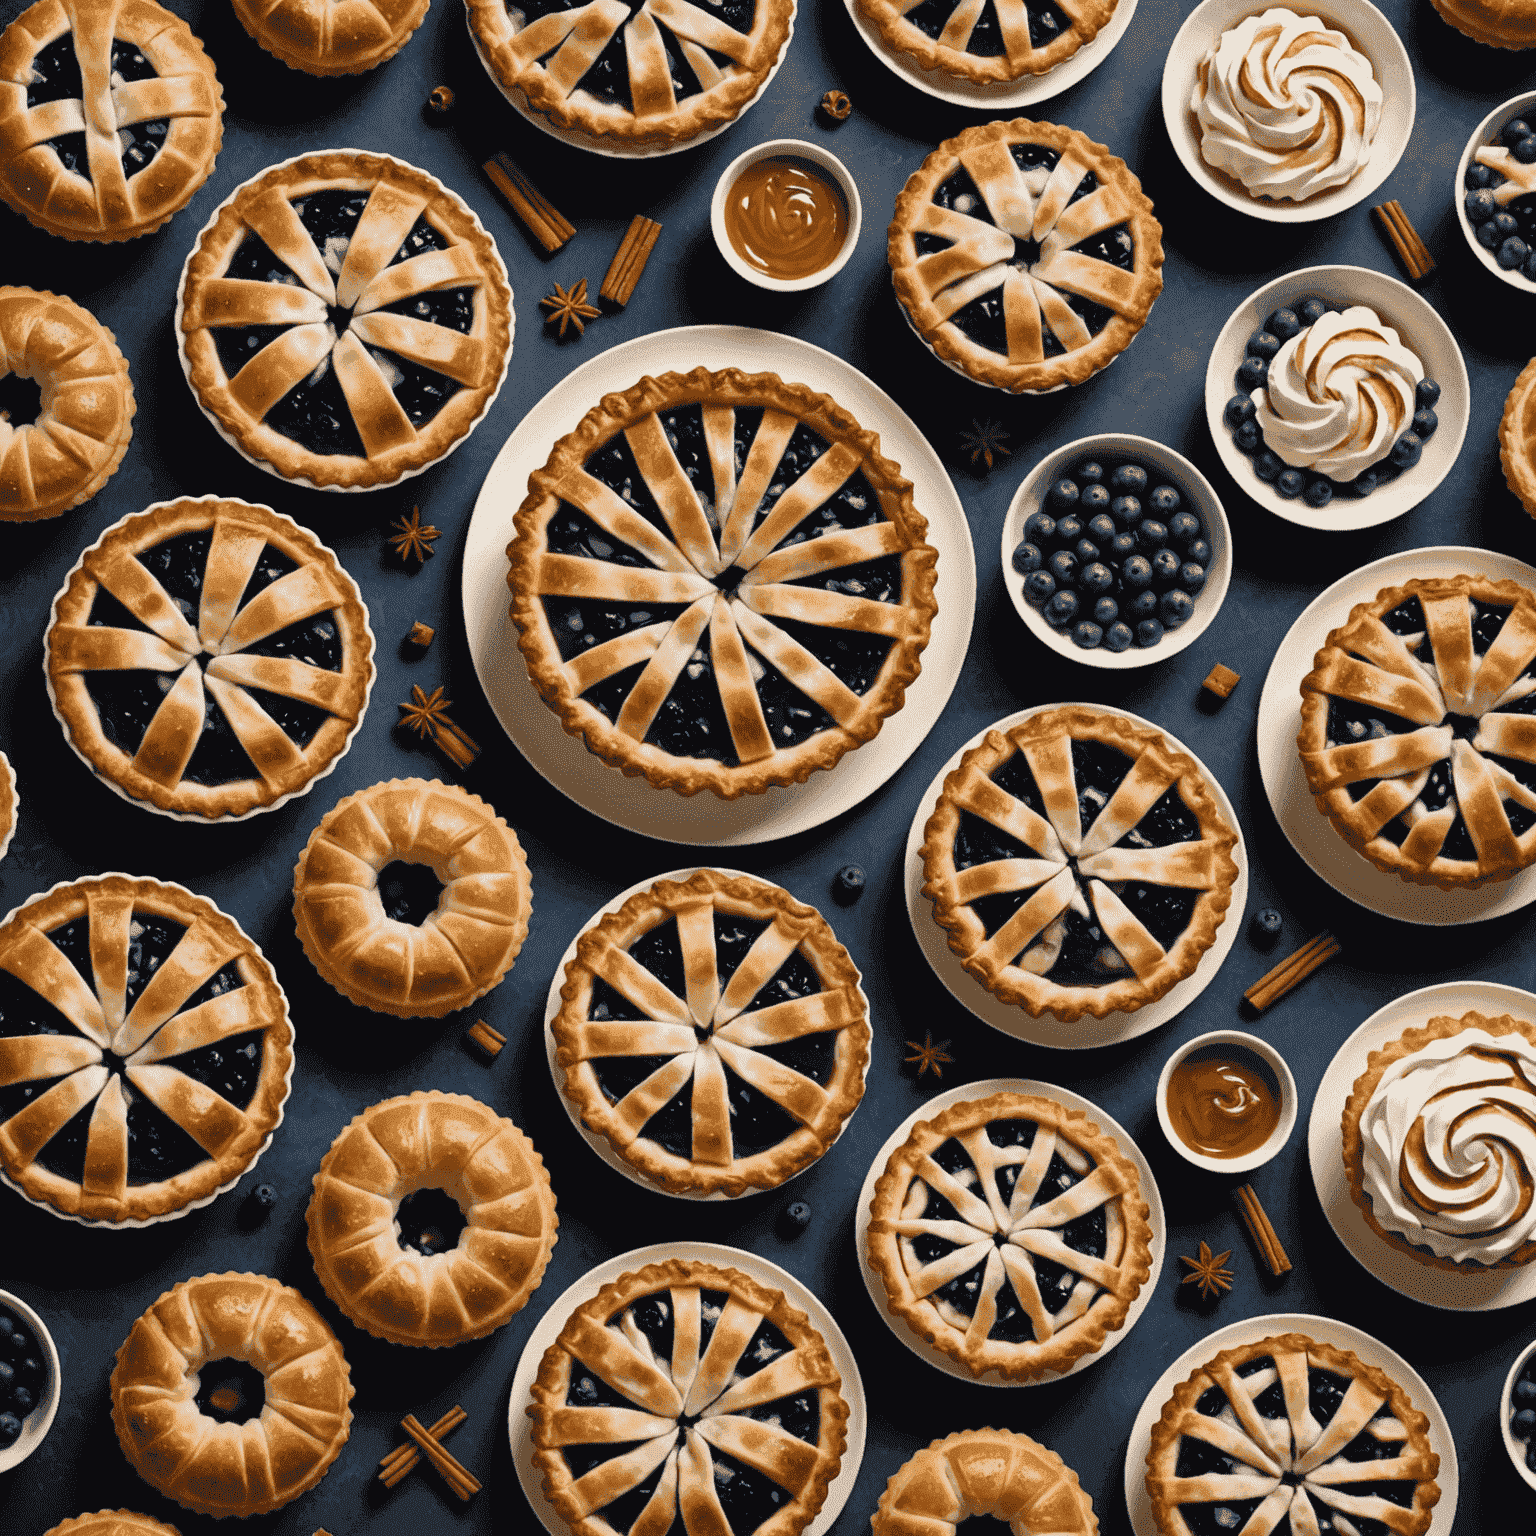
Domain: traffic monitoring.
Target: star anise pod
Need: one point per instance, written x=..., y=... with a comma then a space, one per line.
x=1207, y=1272
x=986, y=439
x=412, y=539
x=427, y=713
x=569, y=308
x=928, y=1056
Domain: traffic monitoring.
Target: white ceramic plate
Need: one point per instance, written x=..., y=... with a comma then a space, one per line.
x=1487, y=133
x=1030, y=497
x=1310, y=833
x=600, y=1144
x=1419, y=328
x=1371, y=33
x=997, y=98
x=1455, y=1292
x=536, y=731
x=547, y=1330
x=936, y=1105
x=1327, y=1331
x=36, y=1424
x=1087, y=1032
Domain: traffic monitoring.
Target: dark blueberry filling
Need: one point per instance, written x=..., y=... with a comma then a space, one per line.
x=423, y=237
x=237, y=345
x=315, y=641
x=684, y=427
x=614, y=465
x=332, y=214
x=145, y=140
x=691, y=721
x=178, y=565
x=422, y=392
x=56, y=77
x=55, y=73
x=21, y=399
x=230, y=1391
x=255, y=261
x=409, y=892
x=1046, y=24
x=315, y=413
x=571, y=532
x=150, y=942
x=230, y=1067
x=453, y=308
x=430, y=1221
x=852, y=655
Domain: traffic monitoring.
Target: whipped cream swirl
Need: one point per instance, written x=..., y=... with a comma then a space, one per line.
x=1286, y=106
x=1450, y=1146
x=1339, y=394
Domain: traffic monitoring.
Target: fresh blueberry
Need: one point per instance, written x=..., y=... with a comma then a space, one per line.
x=1480, y=206
x=797, y=1216
x=1063, y=566
x=1265, y=927
x=1506, y=224
x=1199, y=552
x=1428, y=392
x=1069, y=530
x=1165, y=566
x=1525, y=1390
x=1151, y=534
x=1310, y=311
x=265, y=1195
x=1238, y=410
x=30, y=1369
x=1365, y=482
x=1143, y=605
x=1094, y=500
x=1106, y=611
x=1284, y=323
x=1319, y=493
x=1086, y=551
x=1063, y=495
x=1118, y=637
x=1488, y=237
x=1087, y=634
x=1525, y=149
x=10, y=1429
x=1136, y=573
x=24, y=1402
x=1267, y=465
x=1514, y=130
x=1128, y=479
x=1096, y=579
x=1027, y=558
x=1247, y=437
x=1039, y=588
x=1090, y=472
x=1040, y=528
x=1061, y=610
x=1183, y=528
x=1479, y=175
x=1252, y=372
x=1191, y=576
x=1175, y=608
x=1406, y=450
x=1524, y=1423
x=1263, y=344
x=1512, y=254
x=1291, y=484
x=1102, y=529
x=1166, y=500
x=1122, y=546
x=7, y=1376
x=1148, y=633
x=1126, y=509
x=1529, y=269
x=848, y=884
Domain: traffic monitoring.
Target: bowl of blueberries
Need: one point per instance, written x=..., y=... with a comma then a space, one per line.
x=1517, y=1413
x=29, y=1381
x=1496, y=192
x=1309, y=433
x=1116, y=551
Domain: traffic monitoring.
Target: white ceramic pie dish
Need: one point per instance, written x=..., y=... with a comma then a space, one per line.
x=1284, y=1082
x=1030, y=498
x=1419, y=328
x=1516, y=1448
x=1486, y=133
x=35, y=1427
x=1370, y=32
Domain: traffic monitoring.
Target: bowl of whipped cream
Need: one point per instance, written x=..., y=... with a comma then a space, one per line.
x=1337, y=395
x=1288, y=115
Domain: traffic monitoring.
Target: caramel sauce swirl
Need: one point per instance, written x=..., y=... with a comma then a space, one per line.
x=786, y=218
x=1223, y=1102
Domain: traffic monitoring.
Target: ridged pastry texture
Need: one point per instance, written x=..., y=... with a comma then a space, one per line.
x=113, y=1522
x=1498, y=23
x=1517, y=438
x=10, y=804
x=442, y=1141
x=461, y=949
x=989, y=1472
x=225, y=1467
x=332, y=37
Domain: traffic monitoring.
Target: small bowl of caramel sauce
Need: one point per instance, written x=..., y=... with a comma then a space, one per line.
x=786, y=215
x=1226, y=1101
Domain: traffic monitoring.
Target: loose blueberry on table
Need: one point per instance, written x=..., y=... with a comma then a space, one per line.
x=1522, y=1423
x=1500, y=197
x=1316, y=489
x=1117, y=556
x=23, y=1376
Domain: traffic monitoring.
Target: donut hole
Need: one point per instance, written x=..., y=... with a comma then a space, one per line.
x=231, y=1391
x=984, y=1525
x=21, y=399
x=409, y=892
x=430, y=1220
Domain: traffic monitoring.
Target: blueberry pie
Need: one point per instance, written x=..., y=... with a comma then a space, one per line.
x=1010, y=1233
x=432, y=1220
x=632, y=73
x=1289, y=1435
x=1414, y=734
x=345, y=320
x=688, y=1398
x=1078, y=864
x=110, y=117
x=145, y=1050
x=1009, y=40
x=1517, y=438
x=332, y=37
x=209, y=659
x=1025, y=255
x=714, y=1032
x=720, y=583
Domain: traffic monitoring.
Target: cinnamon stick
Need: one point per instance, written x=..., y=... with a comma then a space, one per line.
x=459, y=1479
x=1292, y=971
x=402, y=1460
x=489, y=1040
x=540, y=217
x=629, y=260
x=1261, y=1229
x=1404, y=238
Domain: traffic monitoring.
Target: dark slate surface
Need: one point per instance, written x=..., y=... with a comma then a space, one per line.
x=91, y=1285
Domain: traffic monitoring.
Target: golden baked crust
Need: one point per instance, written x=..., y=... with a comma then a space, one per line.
x=1031, y=289
x=406, y=209
x=10, y=804
x=545, y=61
x=727, y=577
x=1498, y=23
x=233, y=646
x=223, y=1467
x=113, y=1522
x=444, y=1141
x=993, y=1472
x=462, y=948
x=181, y=90
x=820, y=1013
x=1288, y=1460
x=332, y=37
x=85, y=417
x=697, y=1379
x=973, y=1146
x=1112, y=869
x=1019, y=58
x=1517, y=434
x=1408, y=720
x=1504, y=1101
x=130, y=932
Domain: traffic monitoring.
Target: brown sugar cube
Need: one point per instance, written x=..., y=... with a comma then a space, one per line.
x=1222, y=681
x=421, y=634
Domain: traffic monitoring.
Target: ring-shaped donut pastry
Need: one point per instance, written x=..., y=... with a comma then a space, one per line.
x=381, y=942
x=185, y=1389
x=113, y=1522
x=381, y=1226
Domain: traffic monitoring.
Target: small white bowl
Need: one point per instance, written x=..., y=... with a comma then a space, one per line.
x=1487, y=131
x=1285, y=1084
x=1030, y=498
x=1420, y=329
x=1370, y=32
x=1516, y=1448
x=788, y=149
x=37, y=1423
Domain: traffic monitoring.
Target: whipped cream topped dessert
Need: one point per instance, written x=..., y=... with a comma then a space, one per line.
x=1286, y=105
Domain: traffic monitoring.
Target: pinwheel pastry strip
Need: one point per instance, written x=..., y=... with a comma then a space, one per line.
x=1078, y=864
x=719, y=582
x=145, y=1049
x=714, y=1032
x=689, y=1396
x=1289, y=1434
x=1418, y=730
x=1010, y=1233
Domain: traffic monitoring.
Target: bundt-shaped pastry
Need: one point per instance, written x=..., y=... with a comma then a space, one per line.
x=412, y=898
x=231, y=1395
x=432, y=1220
x=991, y=1472
x=113, y=1522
